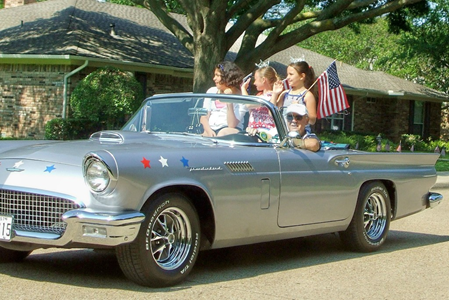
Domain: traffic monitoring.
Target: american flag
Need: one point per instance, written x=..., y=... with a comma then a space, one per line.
x=332, y=97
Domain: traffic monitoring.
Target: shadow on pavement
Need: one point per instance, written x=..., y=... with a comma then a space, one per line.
x=99, y=269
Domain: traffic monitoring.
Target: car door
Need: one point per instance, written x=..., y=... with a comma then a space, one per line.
x=314, y=189
x=244, y=189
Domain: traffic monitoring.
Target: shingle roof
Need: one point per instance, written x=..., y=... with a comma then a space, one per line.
x=362, y=82
x=82, y=28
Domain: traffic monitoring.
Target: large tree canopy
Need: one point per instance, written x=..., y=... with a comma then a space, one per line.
x=420, y=54
x=428, y=41
x=215, y=25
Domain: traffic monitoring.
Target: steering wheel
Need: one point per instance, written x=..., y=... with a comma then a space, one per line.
x=262, y=136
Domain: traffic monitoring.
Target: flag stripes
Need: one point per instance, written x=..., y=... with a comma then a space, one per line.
x=332, y=97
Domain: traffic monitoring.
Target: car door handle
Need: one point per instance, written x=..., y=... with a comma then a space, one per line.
x=342, y=162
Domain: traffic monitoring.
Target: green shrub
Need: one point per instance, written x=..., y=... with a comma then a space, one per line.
x=106, y=96
x=70, y=129
x=368, y=142
x=57, y=129
x=364, y=142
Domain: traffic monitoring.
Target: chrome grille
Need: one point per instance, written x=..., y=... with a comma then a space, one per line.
x=35, y=212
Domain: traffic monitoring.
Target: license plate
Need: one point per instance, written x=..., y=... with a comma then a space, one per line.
x=5, y=228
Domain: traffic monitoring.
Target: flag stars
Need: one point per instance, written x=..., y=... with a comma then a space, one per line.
x=50, y=168
x=185, y=162
x=334, y=81
x=18, y=164
x=146, y=163
x=163, y=162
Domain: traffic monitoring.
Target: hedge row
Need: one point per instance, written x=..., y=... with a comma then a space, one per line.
x=372, y=143
x=70, y=129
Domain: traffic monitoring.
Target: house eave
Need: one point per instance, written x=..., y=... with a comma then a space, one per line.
x=395, y=95
x=73, y=60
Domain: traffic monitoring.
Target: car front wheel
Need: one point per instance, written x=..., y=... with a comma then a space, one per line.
x=371, y=221
x=167, y=245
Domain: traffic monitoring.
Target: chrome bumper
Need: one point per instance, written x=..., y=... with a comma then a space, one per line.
x=103, y=229
x=434, y=199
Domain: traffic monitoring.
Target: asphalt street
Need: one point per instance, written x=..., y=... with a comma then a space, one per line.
x=412, y=264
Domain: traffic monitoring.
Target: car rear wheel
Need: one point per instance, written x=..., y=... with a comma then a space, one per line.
x=167, y=245
x=7, y=255
x=371, y=221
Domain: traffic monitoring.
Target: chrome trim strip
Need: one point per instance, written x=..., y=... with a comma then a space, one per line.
x=120, y=227
x=110, y=219
x=37, y=235
x=14, y=170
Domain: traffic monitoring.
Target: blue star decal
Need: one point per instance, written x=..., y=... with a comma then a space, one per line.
x=185, y=162
x=50, y=168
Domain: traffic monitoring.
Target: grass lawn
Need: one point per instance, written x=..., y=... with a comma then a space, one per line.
x=442, y=165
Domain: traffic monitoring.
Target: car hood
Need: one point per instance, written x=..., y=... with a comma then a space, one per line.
x=73, y=152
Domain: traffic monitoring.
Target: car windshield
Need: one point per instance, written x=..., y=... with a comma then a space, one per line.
x=182, y=113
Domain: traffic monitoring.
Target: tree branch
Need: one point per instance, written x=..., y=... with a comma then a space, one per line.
x=160, y=11
x=279, y=42
x=245, y=21
x=241, y=4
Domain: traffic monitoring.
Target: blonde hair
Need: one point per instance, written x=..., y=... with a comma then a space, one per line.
x=269, y=73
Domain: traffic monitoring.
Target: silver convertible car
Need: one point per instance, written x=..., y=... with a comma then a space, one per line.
x=158, y=192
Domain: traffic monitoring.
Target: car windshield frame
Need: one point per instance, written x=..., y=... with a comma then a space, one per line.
x=187, y=109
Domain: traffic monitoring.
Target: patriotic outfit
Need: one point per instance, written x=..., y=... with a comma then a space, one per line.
x=261, y=118
x=290, y=98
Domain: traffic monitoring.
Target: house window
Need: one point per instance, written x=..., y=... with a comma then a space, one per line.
x=335, y=121
x=418, y=118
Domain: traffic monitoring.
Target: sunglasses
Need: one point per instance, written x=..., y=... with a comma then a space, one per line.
x=290, y=117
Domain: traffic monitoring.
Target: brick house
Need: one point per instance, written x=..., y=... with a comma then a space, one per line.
x=47, y=47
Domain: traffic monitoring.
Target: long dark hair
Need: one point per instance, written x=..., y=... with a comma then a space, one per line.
x=231, y=74
x=303, y=67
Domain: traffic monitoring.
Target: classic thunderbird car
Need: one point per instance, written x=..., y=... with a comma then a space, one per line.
x=158, y=192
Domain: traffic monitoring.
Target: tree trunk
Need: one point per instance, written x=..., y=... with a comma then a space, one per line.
x=206, y=58
x=209, y=49
x=208, y=53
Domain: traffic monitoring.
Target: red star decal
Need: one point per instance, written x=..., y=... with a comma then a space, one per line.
x=146, y=163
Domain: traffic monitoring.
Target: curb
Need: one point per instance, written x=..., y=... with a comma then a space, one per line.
x=442, y=181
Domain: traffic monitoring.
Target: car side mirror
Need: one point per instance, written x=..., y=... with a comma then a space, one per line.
x=293, y=139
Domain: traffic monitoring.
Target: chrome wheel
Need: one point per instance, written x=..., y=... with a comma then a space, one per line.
x=375, y=216
x=370, y=223
x=167, y=245
x=171, y=238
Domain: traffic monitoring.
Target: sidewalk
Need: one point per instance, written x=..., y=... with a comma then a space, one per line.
x=442, y=181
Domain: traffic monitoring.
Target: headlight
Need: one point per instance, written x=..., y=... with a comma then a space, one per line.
x=97, y=175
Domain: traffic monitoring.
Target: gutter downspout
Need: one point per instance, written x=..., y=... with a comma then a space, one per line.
x=66, y=78
x=352, y=115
